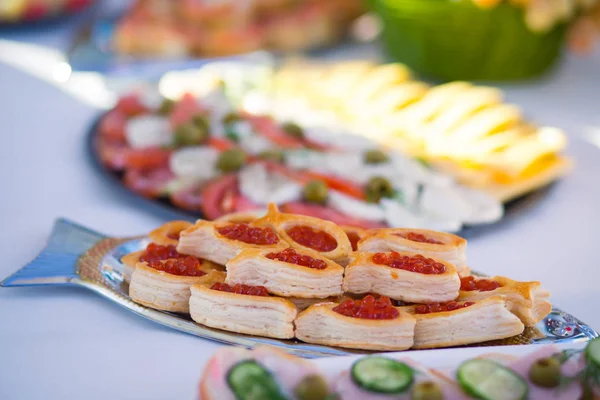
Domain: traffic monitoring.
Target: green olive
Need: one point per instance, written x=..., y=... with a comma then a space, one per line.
x=231, y=118
x=377, y=188
x=313, y=387
x=316, y=191
x=376, y=157
x=273, y=155
x=189, y=134
x=293, y=130
x=231, y=160
x=545, y=372
x=427, y=390
x=166, y=106
x=201, y=121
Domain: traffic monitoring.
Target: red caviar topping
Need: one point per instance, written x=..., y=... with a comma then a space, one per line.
x=293, y=257
x=368, y=308
x=314, y=239
x=469, y=283
x=158, y=252
x=353, y=238
x=417, y=237
x=241, y=289
x=249, y=234
x=441, y=307
x=416, y=263
x=184, y=266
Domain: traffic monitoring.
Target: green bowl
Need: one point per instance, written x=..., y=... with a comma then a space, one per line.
x=456, y=40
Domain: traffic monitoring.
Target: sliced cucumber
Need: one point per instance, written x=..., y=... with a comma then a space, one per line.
x=251, y=381
x=382, y=375
x=592, y=352
x=489, y=380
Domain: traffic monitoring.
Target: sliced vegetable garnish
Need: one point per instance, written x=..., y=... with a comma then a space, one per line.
x=427, y=390
x=382, y=375
x=313, y=387
x=592, y=352
x=489, y=380
x=545, y=372
x=251, y=381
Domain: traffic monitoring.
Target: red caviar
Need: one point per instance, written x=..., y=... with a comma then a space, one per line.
x=314, y=239
x=469, y=283
x=249, y=234
x=416, y=263
x=353, y=238
x=417, y=237
x=293, y=257
x=184, y=266
x=368, y=308
x=441, y=307
x=158, y=252
x=241, y=289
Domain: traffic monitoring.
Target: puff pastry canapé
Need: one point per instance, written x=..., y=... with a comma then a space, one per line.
x=165, y=291
x=287, y=273
x=310, y=233
x=375, y=273
x=168, y=234
x=251, y=314
x=476, y=322
x=220, y=241
x=322, y=324
x=288, y=371
x=527, y=300
x=442, y=246
x=354, y=234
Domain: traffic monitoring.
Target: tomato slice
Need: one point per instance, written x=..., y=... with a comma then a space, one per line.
x=328, y=213
x=112, y=126
x=148, y=182
x=131, y=105
x=340, y=184
x=222, y=196
x=184, y=110
x=147, y=158
x=267, y=127
x=189, y=199
x=220, y=144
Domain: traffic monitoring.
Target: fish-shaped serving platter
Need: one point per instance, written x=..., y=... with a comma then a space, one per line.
x=79, y=256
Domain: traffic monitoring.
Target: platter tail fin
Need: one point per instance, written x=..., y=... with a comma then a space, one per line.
x=57, y=263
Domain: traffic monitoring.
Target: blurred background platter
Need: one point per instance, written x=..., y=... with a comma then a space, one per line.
x=334, y=90
x=30, y=11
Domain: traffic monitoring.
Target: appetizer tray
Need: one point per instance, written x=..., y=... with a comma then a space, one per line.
x=78, y=256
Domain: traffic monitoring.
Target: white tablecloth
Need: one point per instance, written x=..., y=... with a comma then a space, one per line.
x=68, y=343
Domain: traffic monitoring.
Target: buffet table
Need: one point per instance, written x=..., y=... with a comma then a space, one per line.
x=68, y=343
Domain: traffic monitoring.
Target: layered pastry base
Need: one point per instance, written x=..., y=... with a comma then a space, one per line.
x=458, y=323
x=527, y=300
x=243, y=309
x=370, y=324
x=402, y=276
x=279, y=276
x=220, y=241
x=443, y=246
x=287, y=273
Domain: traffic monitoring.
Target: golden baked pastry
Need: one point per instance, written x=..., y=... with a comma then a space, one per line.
x=287, y=273
x=165, y=291
x=439, y=245
x=220, y=241
x=243, y=309
x=358, y=329
x=310, y=233
x=459, y=323
x=402, y=276
x=527, y=300
x=168, y=234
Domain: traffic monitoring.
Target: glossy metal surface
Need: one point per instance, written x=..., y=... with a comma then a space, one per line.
x=75, y=255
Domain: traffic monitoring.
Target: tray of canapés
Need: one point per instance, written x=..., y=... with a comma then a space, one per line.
x=307, y=285
x=547, y=372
